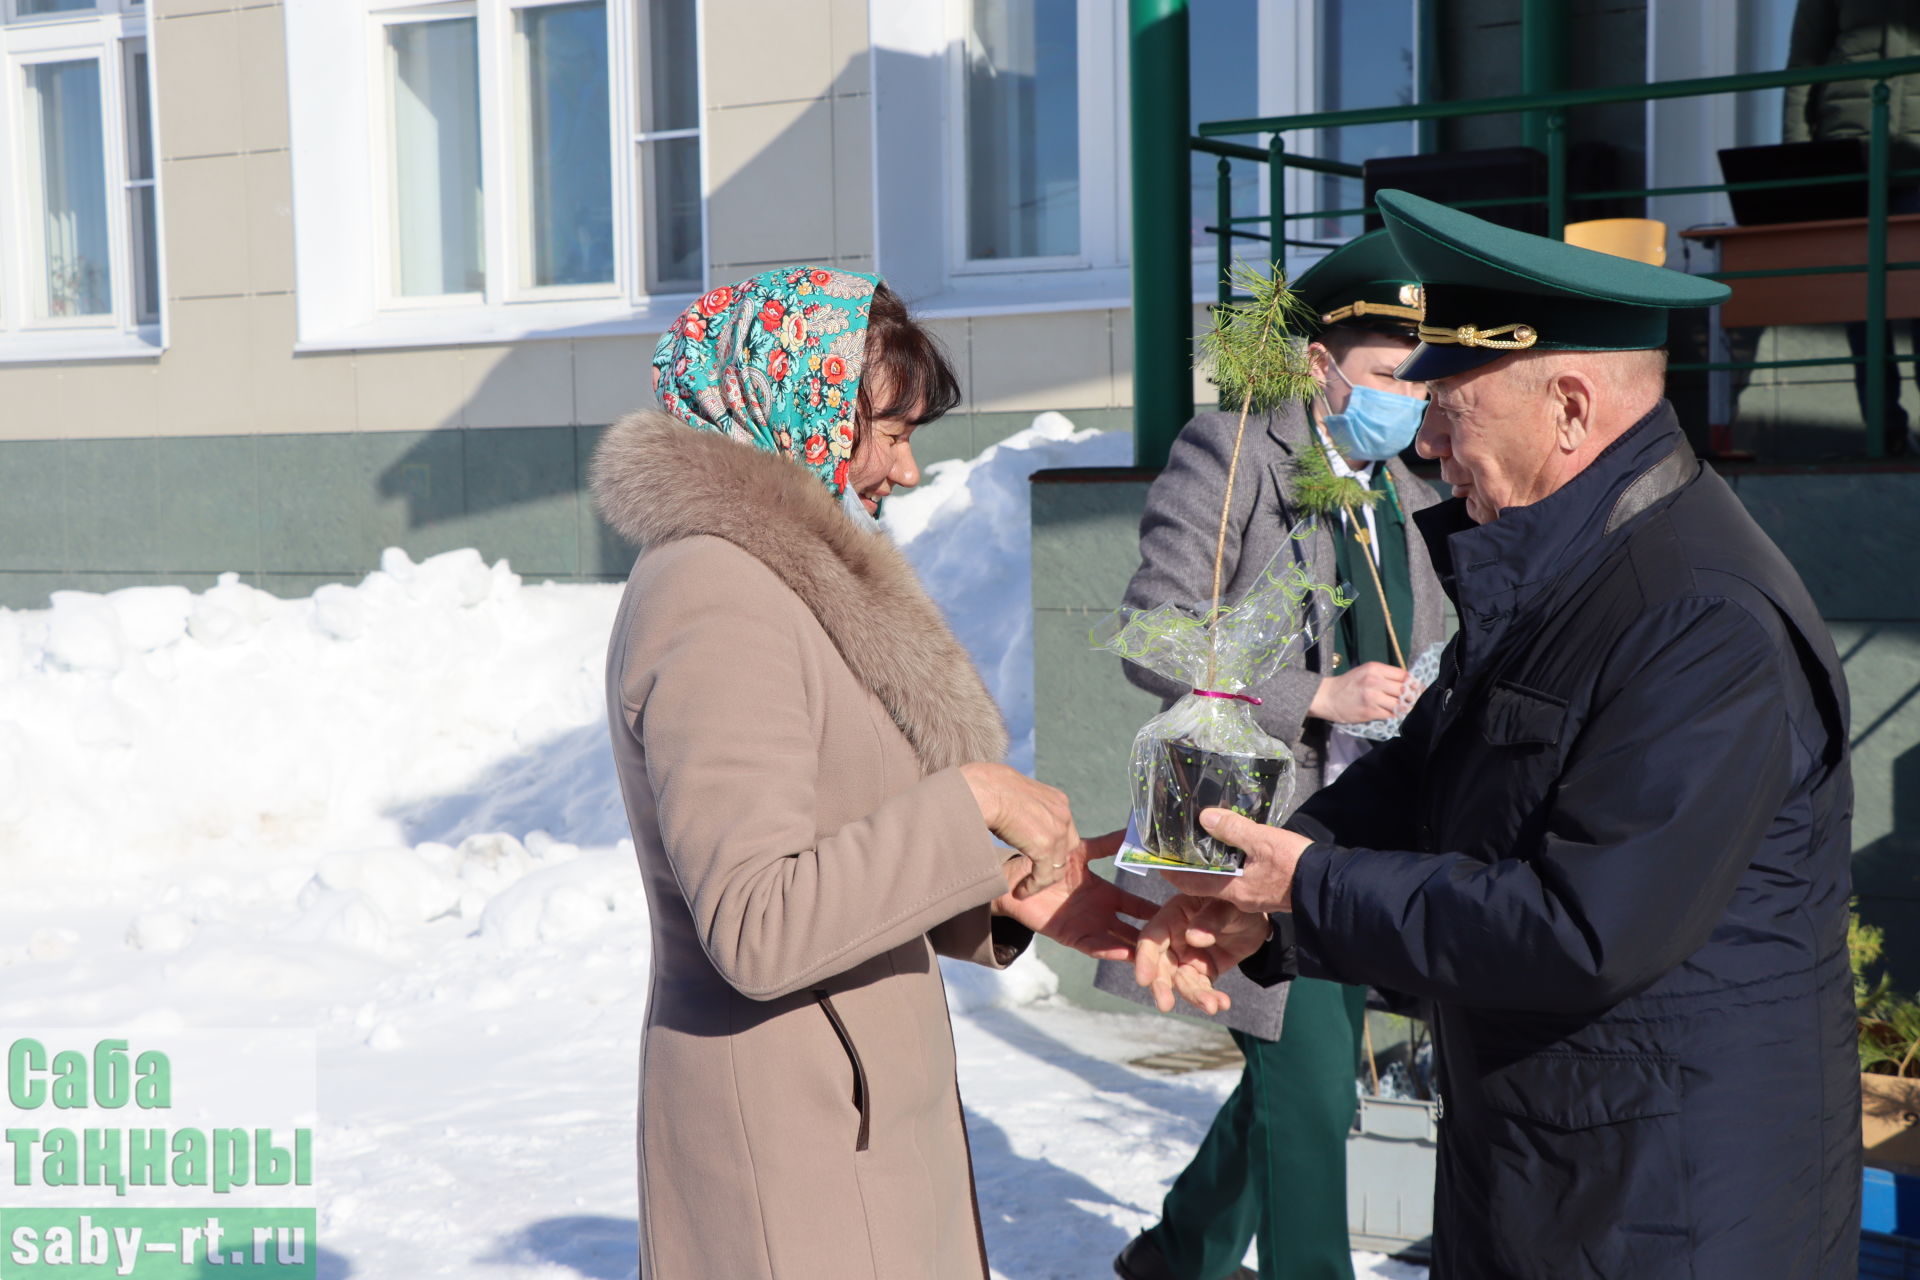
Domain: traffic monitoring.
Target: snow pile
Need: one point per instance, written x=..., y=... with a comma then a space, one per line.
x=236, y=731
x=971, y=988
x=388, y=812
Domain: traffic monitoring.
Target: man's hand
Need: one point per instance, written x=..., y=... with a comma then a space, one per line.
x=1371, y=691
x=1266, y=883
x=1081, y=910
x=1187, y=946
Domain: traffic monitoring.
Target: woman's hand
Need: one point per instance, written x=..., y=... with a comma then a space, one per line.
x=1031, y=817
x=1371, y=691
x=1081, y=910
x=1189, y=943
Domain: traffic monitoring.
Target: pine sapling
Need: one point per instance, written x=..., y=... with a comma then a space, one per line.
x=1250, y=354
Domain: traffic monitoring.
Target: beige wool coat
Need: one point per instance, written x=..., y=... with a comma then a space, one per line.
x=788, y=712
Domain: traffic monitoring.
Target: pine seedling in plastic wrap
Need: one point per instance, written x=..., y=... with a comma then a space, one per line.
x=1207, y=750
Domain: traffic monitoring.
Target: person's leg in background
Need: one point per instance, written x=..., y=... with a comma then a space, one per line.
x=1273, y=1167
x=1213, y=1208
x=1893, y=427
x=1907, y=443
x=1306, y=1100
x=1896, y=432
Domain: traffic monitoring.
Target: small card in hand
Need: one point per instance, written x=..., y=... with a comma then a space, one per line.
x=1134, y=857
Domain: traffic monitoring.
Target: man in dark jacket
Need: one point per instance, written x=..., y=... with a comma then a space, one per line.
x=1622, y=877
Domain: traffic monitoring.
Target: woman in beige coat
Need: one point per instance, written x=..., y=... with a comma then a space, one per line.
x=809, y=762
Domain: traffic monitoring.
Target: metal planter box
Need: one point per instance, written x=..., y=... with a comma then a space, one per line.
x=1390, y=1164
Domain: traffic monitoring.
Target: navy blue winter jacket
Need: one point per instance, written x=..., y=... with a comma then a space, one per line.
x=1622, y=886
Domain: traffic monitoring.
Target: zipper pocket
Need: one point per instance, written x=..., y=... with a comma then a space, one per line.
x=859, y=1071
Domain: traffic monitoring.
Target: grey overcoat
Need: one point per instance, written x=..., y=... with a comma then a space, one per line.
x=1177, y=535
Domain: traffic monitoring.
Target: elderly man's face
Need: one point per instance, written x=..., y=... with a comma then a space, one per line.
x=1490, y=430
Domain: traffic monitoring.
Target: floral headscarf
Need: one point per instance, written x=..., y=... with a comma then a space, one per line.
x=774, y=362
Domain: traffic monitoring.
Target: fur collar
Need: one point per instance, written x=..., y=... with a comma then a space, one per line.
x=657, y=480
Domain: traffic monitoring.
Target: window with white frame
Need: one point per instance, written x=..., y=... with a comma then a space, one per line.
x=1034, y=97
x=1031, y=203
x=1035, y=136
x=1224, y=83
x=79, y=225
x=1367, y=58
x=524, y=166
x=1258, y=59
x=1022, y=161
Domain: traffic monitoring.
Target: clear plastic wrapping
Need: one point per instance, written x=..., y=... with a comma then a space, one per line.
x=1207, y=750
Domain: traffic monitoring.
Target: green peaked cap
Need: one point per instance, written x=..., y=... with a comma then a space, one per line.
x=1491, y=290
x=1364, y=281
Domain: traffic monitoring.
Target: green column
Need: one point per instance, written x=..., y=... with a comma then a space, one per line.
x=1162, y=257
x=1543, y=59
x=1556, y=174
x=1879, y=159
x=1426, y=65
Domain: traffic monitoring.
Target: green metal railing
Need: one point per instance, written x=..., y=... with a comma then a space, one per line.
x=1547, y=119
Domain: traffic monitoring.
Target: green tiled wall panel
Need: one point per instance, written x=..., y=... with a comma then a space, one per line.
x=115, y=532
x=293, y=511
x=1087, y=716
x=521, y=492
x=33, y=517
x=1086, y=542
x=206, y=495
x=600, y=550
x=946, y=440
x=318, y=505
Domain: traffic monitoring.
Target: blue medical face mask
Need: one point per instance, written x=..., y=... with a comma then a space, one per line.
x=1376, y=424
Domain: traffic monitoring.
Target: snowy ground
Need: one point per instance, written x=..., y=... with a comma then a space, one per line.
x=388, y=813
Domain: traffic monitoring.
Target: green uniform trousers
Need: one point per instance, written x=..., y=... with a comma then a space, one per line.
x=1274, y=1165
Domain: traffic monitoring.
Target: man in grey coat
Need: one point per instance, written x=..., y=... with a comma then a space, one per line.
x=1273, y=1163
x=1273, y=1168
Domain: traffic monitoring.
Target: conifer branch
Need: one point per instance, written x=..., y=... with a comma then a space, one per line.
x=1250, y=355
x=1319, y=492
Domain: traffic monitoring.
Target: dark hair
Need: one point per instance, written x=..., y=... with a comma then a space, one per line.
x=1343, y=337
x=908, y=360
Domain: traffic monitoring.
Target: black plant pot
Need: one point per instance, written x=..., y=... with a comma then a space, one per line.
x=1187, y=781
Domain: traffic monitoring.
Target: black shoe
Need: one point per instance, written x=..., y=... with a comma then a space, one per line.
x=1142, y=1260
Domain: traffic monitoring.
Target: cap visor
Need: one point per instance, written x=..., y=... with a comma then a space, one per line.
x=1430, y=363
